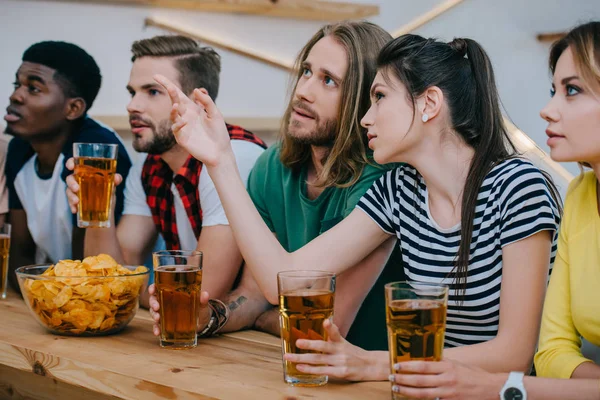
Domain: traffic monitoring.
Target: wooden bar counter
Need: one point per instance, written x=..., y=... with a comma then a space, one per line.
x=35, y=364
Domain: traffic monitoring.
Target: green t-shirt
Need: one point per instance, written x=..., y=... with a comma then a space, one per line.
x=280, y=197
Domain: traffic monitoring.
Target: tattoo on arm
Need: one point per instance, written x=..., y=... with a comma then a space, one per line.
x=237, y=303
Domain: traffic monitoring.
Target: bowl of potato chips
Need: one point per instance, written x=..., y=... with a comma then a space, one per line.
x=93, y=297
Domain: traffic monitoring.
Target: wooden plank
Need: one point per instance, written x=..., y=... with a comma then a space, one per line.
x=220, y=42
x=131, y=364
x=427, y=17
x=550, y=37
x=17, y=384
x=297, y=9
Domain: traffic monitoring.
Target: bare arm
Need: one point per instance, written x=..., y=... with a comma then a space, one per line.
x=22, y=246
x=587, y=370
x=204, y=135
x=221, y=259
x=246, y=303
x=524, y=275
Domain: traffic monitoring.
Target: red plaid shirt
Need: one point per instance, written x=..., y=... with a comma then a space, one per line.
x=157, y=178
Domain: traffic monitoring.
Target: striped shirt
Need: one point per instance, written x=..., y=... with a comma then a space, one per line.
x=514, y=202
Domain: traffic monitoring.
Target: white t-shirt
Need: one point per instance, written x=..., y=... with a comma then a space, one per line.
x=213, y=214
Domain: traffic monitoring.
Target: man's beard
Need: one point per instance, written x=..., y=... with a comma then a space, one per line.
x=322, y=136
x=162, y=141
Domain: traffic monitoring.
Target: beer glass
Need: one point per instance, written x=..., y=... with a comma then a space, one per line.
x=95, y=168
x=305, y=301
x=4, y=249
x=416, y=322
x=178, y=278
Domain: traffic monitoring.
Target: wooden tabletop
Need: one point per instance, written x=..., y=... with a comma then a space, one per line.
x=131, y=365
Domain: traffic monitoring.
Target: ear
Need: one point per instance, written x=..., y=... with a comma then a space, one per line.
x=75, y=108
x=430, y=103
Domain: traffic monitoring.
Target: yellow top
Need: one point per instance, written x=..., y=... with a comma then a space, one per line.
x=572, y=306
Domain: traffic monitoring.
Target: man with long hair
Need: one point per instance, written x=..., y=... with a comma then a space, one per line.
x=168, y=192
x=315, y=175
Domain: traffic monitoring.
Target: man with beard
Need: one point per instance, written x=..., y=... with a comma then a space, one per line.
x=55, y=86
x=314, y=177
x=168, y=192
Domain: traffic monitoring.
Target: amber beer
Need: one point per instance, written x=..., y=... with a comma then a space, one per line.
x=178, y=289
x=96, y=177
x=306, y=300
x=4, y=249
x=95, y=168
x=416, y=322
x=178, y=280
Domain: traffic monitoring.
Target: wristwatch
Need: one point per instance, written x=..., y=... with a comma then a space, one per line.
x=513, y=388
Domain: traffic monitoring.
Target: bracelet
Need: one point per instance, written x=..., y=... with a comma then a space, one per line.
x=218, y=318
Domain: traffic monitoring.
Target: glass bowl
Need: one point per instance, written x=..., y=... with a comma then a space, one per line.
x=81, y=305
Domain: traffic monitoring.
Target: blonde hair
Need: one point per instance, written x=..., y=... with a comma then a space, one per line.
x=584, y=42
x=347, y=157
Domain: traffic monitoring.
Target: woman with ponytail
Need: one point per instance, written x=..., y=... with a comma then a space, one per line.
x=465, y=210
x=571, y=305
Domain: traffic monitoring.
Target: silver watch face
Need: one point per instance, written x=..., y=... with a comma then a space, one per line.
x=513, y=394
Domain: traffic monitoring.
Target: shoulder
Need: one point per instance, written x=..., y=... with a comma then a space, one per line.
x=18, y=153
x=581, y=199
x=97, y=132
x=514, y=171
x=269, y=159
x=582, y=187
x=244, y=150
x=238, y=133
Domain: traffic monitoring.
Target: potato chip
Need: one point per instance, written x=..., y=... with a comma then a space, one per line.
x=93, y=296
x=63, y=297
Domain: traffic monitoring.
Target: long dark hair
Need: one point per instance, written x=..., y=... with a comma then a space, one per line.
x=463, y=72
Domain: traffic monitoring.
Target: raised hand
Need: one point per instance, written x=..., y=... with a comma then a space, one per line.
x=198, y=125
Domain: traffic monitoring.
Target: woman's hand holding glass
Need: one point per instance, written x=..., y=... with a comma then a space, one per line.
x=339, y=358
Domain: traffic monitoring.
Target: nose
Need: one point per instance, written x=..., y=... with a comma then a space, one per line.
x=135, y=105
x=550, y=112
x=368, y=120
x=17, y=96
x=305, y=90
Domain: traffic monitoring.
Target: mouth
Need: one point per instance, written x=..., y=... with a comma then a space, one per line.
x=137, y=126
x=371, y=136
x=302, y=114
x=553, y=137
x=12, y=115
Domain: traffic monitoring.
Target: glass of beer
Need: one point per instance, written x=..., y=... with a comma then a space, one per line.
x=4, y=249
x=416, y=322
x=95, y=168
x=178, y=278
x=305, y=301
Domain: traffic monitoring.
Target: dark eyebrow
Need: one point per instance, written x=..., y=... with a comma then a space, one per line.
x=36, y=78
x=568, y=79
x=151, y=86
